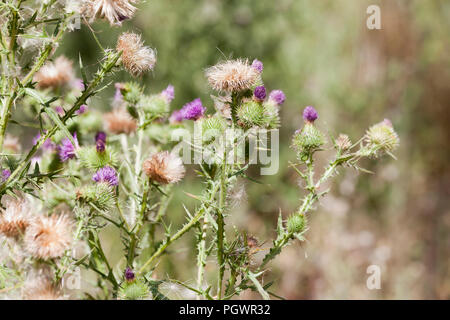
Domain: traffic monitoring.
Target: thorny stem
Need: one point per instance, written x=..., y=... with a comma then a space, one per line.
x=14, y=91
x=201, y=256
x=220, y=229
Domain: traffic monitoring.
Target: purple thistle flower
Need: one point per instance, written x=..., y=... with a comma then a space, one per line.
x=67, y=150
x=277, y=96
x=100, y=141
x=193, y=110
x=59, y=110
x=257, y=65
x=47, y=145
x=106, y=174
x=260, y=93
x=169, y=93
x=129, y=274
x=310, y=114
x=78, y=84
x=176, y=116
x=5, y=174
x=82, y=109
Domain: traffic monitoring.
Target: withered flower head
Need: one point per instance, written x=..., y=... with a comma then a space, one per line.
x=120, y=121
x=136, y=58
x=55, y=74
x=164, y=167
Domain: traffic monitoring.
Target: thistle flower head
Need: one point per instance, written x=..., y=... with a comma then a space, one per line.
x=55, y=74
x=296, y=223
x=169, y=93
x=136, y=58
x=308, y=139
x=39, y=286
x=82, y=109
x=260, y=93
x=120, y=121
x=176, y=116
x=129, y=274
x=343, y=142
x=100, y=141
x=49, y=237
x=278, y=97
x=382, y=136
x=193, y=110
x=115, y=11
x=164, y=167
x=134, y=290
x=11, y=144
x=5, y=174
x=251, y=114
x=15, y=218
x=67, y=150
x=107, y=175
x=232, y=76
x=100, y=194
x=310, y=114
x=257, y=65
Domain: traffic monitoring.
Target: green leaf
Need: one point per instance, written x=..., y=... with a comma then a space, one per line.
x=54, y=116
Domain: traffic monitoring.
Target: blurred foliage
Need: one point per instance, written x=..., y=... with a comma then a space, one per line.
x=321, y=53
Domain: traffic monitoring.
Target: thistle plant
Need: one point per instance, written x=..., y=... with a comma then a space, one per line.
x=87, y=172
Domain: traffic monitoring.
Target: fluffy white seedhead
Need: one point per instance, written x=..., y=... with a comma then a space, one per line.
x=115, y=11
x=232, y=76
x=136, y=58
x=15, y=219
x=49, y=237
x=119, y=121
x=55, y=74
x=164, y=167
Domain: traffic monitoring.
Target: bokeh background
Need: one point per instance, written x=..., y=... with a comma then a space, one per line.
x=322, y=54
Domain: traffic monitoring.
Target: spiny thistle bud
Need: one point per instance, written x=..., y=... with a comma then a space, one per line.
x=100, y=195
x=271, y=114
x=55, y=74
x=107, y=175
x=308, y=139
x=134, y=290
x=92, y=159
x=154, y=106
x=120, y=121
x=257, y=65
x=115, y=11
x=136, y=58
x=232, y=76
x=343, y=142
x=14, y=219
x=49, y=237
x=382, y=137
x=278, y=97
x=129, y=274
x=164, y=167
x=67, y=150
x=296, y=223
x=251, y=114
x=310, y=114
x=212, y=127
x=259, y=93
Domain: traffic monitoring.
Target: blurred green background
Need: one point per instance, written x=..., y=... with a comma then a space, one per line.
x=321, y=53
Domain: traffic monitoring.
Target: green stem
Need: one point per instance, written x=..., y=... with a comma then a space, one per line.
x=221, y=229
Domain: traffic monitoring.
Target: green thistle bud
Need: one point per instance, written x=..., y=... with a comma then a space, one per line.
x=381, y=138
x=131, y=92
x=100, y=195
x=251, y=114
x=212, y=127
x=296, y=223
x=308, y=139
x=271, y=116
x=343, y=142
x=154, y=105
x=92, y=159
x=136, y=290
